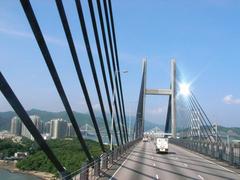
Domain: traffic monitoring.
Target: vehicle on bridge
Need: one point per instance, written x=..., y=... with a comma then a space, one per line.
x=145, y=139
x=161, y=144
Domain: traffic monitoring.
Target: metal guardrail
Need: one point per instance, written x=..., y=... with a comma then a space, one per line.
x=229, y=153
x=93, y=170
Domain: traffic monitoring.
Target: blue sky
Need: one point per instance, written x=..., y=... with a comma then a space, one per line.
x=203, y=36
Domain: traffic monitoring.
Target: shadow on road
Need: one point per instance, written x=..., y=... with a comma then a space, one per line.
x=176, y=173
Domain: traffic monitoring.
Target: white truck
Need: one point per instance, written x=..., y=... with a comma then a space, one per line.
x=161, y=144
x=145, y=139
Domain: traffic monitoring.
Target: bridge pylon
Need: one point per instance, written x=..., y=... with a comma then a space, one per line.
x=170, y=126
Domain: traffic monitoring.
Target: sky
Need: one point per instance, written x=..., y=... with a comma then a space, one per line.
x=203, y=37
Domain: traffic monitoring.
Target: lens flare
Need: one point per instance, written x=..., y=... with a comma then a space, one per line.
x=184, y=89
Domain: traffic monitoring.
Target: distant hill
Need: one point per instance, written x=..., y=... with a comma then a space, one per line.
x=150, y=125
x=233, y=132
x=82, y=118
x=5, y=119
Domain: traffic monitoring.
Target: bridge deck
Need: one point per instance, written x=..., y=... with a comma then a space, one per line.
x=144, y=163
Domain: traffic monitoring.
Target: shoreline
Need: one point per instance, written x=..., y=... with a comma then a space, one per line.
x=11, y=167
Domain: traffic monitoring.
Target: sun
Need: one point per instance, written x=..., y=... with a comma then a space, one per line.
x=184, y=89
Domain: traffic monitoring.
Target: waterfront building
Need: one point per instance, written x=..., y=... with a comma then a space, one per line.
x=47, y=127
x=70, y=130
x=16, y=126
x=37, y=122
x=58, y=128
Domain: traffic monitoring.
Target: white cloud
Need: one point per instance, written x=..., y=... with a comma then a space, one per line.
x=229, y=99
x=49, y=39
x=15, y=33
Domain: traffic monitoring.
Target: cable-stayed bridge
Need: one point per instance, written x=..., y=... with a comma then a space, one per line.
x=187, y=125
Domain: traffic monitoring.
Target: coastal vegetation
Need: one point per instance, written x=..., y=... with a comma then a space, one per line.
x=68, y=152
x=8, y=147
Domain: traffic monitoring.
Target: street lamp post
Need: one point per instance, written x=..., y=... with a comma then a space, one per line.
x=215, y=128
x=216, y=132
x=113, y=110
x=113, y=107
x=130, y=119
x=130, y=124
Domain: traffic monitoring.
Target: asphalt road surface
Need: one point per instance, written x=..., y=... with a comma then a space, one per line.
x=144, y=163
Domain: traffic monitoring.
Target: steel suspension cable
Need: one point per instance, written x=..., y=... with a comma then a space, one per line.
x=113, y=64
x=195, y=123
x=210, y=127
x=200, y=112
x=189, y=109
x=192, y=109
x=78, y=67
x=194, y=97
x=51, y=67
x=90, y=58
x=195, y=109
x=206, y=134
x=189, y=116
x=109, y=65
x=94, y=24
x=117, y=61
x=22, y=114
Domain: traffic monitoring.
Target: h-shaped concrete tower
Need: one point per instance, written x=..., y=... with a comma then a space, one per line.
x=170, y=126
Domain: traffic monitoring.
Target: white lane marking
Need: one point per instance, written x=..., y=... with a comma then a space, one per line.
x=185, y=164
x=154, y=164
x=156, y=176
x=220, y=166
x=200, y=177
x=120, y=166
x=211, y=162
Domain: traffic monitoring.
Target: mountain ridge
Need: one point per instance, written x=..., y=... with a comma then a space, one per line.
x=82, y=118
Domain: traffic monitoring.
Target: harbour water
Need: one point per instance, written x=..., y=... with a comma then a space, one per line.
x=6, y=175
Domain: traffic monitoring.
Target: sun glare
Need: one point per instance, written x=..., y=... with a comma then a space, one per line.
x=184, y=89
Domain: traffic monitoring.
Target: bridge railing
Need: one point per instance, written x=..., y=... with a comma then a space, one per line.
x=229, y=153
x=95, y=169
